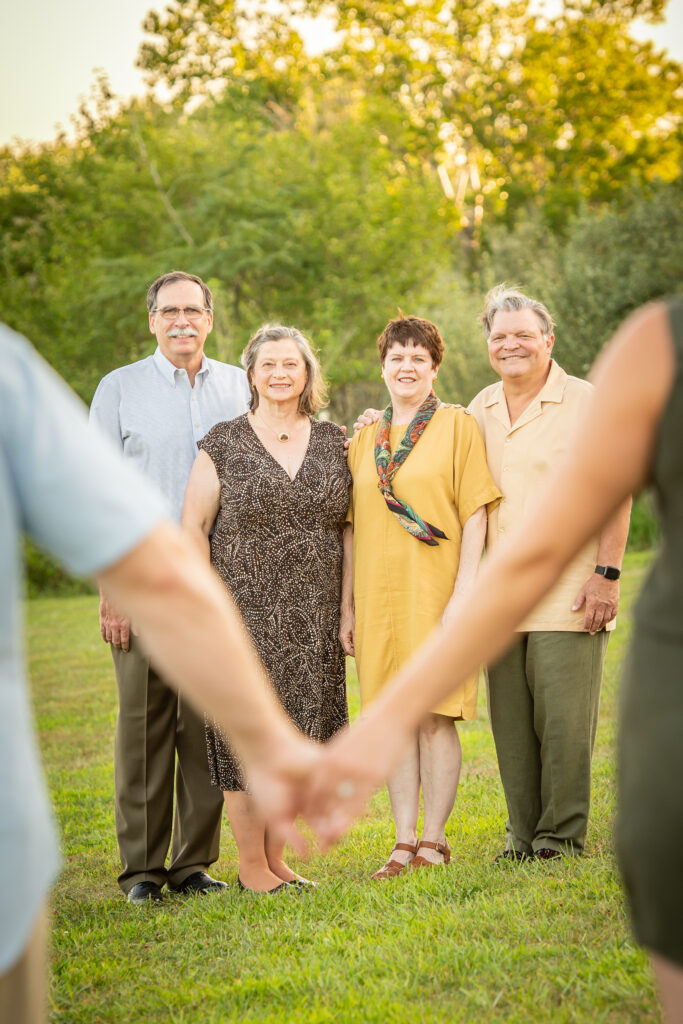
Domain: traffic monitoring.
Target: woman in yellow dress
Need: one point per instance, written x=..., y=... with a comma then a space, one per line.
x=418, y=515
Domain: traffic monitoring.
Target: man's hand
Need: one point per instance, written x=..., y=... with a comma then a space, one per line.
x=115, y=629
x=365, y=418
x=601, y=598
x=347, y=631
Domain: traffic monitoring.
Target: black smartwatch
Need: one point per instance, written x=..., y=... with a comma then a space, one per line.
x=610, y=572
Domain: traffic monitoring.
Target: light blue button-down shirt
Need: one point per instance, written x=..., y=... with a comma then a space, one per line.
x=152, y=413
x=69, y=489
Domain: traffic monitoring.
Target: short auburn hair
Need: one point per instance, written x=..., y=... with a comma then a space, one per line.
x=405, y=329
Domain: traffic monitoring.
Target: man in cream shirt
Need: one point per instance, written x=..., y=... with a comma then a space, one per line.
x=544, y=692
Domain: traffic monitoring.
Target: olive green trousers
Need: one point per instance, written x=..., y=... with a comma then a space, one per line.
x=544, y=697
x=159, y=749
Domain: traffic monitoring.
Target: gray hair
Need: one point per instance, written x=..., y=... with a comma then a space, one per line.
x=314, y=395
x=510, y=300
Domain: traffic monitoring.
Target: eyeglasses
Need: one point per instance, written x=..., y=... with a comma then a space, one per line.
x=173, y=312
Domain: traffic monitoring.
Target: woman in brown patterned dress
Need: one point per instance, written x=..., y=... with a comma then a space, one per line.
x=273, y=486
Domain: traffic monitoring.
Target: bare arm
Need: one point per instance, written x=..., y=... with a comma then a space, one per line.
x=608, y=461
x=193, y=633
x=201, y=504
x=471, y=547
x=599, y=595
x=347, y=623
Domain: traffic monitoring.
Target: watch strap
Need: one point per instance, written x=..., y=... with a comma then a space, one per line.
x=610, y=572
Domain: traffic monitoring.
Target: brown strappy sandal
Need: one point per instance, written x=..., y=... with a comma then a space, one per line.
x=422, y=862
x=393, y=868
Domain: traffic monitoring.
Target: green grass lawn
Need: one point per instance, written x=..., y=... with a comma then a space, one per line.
x=473, y=942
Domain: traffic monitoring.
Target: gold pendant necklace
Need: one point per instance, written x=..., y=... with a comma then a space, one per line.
x=283, y=436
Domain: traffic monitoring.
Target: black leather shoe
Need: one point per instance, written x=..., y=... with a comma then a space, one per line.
x=545, y=853
x=199, y=884
x=514, y=855
x=145, y=892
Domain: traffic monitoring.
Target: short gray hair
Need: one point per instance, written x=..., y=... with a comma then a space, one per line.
x=314, y=395
x=510, y=300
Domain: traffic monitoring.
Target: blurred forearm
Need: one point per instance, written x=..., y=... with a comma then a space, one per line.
x=614, y=536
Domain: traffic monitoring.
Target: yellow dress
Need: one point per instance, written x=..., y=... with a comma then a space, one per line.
x=401, y=585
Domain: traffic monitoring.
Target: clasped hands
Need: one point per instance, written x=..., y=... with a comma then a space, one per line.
x=326, y=786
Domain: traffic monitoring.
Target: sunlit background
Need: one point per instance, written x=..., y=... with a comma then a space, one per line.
x=50, y=51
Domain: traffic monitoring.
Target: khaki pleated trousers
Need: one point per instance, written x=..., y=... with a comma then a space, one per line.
x=159, y=750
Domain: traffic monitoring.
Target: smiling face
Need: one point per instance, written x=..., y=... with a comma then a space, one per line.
x=279, y=373
x=517, y=348
x=408, y=372
x=182, y=338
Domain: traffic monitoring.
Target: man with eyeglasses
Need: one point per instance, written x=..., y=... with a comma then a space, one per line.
x=156, y=410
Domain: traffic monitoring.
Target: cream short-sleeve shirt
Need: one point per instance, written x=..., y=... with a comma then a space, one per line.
x=520, y=457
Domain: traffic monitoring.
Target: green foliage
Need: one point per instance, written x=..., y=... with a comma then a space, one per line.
x=645, y=530
x=550, y=111
x=603, y=266
x=306, y=190
x=322, y=220
x=44, y=576
x=615, y=261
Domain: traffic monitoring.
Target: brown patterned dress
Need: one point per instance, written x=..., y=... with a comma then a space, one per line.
x=277, y=546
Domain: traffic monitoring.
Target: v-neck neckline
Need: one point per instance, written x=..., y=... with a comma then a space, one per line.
x=272, y=457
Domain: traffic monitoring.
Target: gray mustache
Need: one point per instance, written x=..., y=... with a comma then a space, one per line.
x=183, y=332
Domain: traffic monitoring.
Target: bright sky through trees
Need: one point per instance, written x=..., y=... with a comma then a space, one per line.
x=50, y=52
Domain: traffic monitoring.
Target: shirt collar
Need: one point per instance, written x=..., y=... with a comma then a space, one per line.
x=169, y=372
x=552, y=390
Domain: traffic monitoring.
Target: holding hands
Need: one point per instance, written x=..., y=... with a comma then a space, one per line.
x=326, y=786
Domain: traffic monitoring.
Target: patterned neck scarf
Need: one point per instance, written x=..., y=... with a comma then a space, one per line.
x=387, y=466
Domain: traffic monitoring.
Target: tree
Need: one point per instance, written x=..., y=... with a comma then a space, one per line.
x=512, y=107
x=315, y=218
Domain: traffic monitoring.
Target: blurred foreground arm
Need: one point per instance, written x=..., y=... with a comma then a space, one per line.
x=608, y=461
